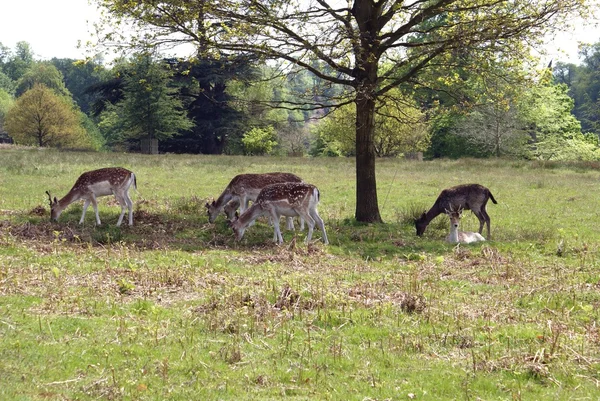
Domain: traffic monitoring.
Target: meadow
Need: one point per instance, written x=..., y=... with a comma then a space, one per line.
x=174, y=309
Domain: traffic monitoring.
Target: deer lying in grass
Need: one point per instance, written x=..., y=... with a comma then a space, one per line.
x=463, y=237
x=243, y=189
x=472, y=197
x=284, y=199
x=94, y=184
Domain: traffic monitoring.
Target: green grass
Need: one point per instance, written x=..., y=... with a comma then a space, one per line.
x=173, y=308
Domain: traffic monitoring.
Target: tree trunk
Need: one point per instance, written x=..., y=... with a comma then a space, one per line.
x=367, y=208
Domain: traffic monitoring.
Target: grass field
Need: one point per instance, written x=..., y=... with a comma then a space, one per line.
x=174, y=309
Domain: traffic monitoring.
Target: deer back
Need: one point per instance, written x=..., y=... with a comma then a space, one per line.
x=466, y=197
x=244, y=183
x=290, y=193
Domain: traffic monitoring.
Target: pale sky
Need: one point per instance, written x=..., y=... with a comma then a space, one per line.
x=54, y=27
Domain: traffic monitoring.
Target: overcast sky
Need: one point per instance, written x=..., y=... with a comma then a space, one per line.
x=54, y=27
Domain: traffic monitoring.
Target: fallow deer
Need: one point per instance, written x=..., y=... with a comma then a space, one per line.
x=283, y=199
x=472, y=197
x=463, y=237
x=94, y=184
x=243, y=189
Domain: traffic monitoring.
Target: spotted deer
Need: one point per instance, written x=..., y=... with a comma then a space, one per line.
x=94, y=184
x=472, y=197
x=283, y=199
x=243, y=189
x=455, y=236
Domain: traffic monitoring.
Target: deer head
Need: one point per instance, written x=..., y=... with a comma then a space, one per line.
x=53, y=211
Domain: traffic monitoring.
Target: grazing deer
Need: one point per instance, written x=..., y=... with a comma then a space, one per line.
x=472, y=197
x=463, y=237
x=243, y=189
x=94, y=184
x=283, y=199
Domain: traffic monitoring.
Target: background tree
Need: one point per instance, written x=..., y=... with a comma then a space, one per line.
x=7, y=84
x=43, y=73
x=149, y=108
x=353, y=42
x=79, y=77
x=400, y=127
x=203, y=89
x=15, y=64
x=583, y=82
x=6, y=102
x=41, y=118
x=555, y=132
x=493, y=123
x=259, y=141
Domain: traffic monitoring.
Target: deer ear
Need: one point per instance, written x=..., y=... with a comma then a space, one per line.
x=55, y=201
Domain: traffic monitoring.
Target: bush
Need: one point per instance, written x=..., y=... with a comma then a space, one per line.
x=259, y=141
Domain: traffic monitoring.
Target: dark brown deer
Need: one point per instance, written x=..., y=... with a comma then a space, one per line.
x=284, y=199
x=243, y=189
x=94, y=184
x=471, y=197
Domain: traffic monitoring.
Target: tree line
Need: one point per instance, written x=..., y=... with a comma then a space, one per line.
x=228, y=106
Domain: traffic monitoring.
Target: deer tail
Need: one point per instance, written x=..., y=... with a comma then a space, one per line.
x=492, y=198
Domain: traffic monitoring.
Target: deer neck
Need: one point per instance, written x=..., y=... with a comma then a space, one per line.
x=223, y=199
x=433, y=213
x=69, y=198
x=251, y=214
x=453, y=236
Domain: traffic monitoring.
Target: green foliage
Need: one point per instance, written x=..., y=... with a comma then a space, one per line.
x=16, y=64
x=7, y=84
x=584, y=86
x=149, y=108
x=41, y=118
x=79, y=77
x=399, y=128
x=43, y=73
x=6, y=102
x=259, y=141
x=555, y=131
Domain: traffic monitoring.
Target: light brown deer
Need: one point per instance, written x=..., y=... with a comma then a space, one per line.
x=463, y=237
x=283, y=199
x=94, y=184
x=243, y=189
x=472, y=197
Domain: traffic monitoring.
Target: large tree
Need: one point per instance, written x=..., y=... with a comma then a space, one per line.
x=353, y=40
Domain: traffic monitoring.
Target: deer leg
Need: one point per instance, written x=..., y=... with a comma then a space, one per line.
x=320, y=223
x=95, y=205
x=486, y=217
x=85, y=206
x=124, y=206
x=129, y=206
x=309, y=220
x=290, y=223
x=276, y=231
